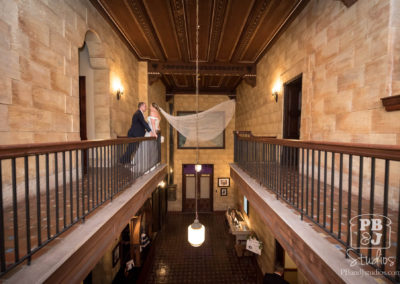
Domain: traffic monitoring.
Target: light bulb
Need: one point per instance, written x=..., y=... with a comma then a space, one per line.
x=197, y=167
x=196, y=233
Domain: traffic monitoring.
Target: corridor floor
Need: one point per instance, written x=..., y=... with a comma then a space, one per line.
x=174, y=260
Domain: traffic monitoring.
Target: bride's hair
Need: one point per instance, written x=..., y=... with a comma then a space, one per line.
x=155, y=106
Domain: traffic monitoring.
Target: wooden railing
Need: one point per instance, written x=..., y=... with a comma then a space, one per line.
x=344, y=188
x=46, y=188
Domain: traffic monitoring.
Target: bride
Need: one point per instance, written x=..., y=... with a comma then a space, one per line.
x=153, y=120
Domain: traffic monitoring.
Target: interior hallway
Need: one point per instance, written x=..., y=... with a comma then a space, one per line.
x=174, y=260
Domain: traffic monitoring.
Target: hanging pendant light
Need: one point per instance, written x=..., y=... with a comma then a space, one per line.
x=196, y=231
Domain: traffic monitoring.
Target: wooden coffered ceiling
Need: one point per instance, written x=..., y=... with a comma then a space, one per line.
x=233, y=36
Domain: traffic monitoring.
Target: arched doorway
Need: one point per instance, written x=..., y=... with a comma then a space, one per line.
x=93, y=89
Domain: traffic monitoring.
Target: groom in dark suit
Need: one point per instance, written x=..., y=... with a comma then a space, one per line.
x=138, y=129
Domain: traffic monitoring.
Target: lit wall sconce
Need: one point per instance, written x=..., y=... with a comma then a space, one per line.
x=118, y=89
x=120, y=92
x=275, y=96
x=275, y=91
x=161, y=184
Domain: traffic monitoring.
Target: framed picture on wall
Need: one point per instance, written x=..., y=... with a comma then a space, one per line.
x=115, y=255
x=224, y=182
x=216, y=143
x=224, y=191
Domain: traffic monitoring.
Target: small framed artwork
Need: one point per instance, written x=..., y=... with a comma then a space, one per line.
x=224, y=182
x=115, y=255
x=224, y=191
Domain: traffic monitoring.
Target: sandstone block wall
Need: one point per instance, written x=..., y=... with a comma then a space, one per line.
x=349, y=58
x=39, y=69
x=220, y=158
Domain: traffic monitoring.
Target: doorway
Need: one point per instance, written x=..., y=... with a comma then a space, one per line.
x=204, y=182
x=292, y=119
x=292, y=108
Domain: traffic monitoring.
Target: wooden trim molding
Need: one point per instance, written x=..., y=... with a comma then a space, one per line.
x=391, y=103
x=20, y=150
x=390, y=152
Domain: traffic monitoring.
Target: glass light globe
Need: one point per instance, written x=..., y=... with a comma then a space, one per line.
x=197, y=167
x=196, y=232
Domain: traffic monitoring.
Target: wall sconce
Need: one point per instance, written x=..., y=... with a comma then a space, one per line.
x=275, y=96
x=275, y=91
x=161, y=184
x=117, y=87
x=120, y=92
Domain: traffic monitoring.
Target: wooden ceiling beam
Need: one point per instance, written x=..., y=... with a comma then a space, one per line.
x=206, y=91
x=211, y=69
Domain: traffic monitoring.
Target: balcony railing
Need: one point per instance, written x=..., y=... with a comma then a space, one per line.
x=351, y=191
x=47, y=188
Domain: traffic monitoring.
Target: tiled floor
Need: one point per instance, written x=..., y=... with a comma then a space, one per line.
x=176, y=261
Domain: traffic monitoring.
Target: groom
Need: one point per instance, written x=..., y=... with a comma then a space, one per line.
x=138, y=129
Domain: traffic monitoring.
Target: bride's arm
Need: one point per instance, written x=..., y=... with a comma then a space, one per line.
x=153, y=127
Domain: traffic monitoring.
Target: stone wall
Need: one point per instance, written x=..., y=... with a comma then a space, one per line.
x=220, y=158
x=266, y=260
x=349, y=58
x=39, y=98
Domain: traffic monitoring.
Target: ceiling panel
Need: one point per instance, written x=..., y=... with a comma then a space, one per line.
x=235, y=20
x=233, y=36
x=162, y=19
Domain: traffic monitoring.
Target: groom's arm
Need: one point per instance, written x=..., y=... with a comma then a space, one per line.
x=143, y=122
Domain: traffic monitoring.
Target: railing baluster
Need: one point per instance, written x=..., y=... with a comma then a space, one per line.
x=312, y=184
x=340, y=195
x=307, y=181
x=56, y=187
x=371, y=201
x=325, y=177
x=48, y=197
x=385, y=214
x=15, y=209
x=302, y=183
x=85, y=176
x=360, y=184
x=332, y=188
x=2, y=231
x=101, y=175
x=71, y=202
x=97, y=177
x=77, y=181
x=289, y=174
x=64, y=191
x=349, y=201
x=92, y=173
x=27, y=213
x=319, y=185
x=38, y=204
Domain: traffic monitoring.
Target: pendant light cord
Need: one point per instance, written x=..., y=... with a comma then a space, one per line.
x=197, y=95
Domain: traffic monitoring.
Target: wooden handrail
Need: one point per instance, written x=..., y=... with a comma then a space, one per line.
x=21, y=150
x=390, y=152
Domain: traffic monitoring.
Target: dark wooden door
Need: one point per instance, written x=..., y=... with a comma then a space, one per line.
x=203, y=182
x=82, y=107
x=292, y=109
x=82, y=118
x=292, y=119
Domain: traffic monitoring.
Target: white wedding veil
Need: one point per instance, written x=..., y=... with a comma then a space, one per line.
x=210, y=123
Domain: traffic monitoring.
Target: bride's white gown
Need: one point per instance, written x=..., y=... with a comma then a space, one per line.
x=148, y=150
